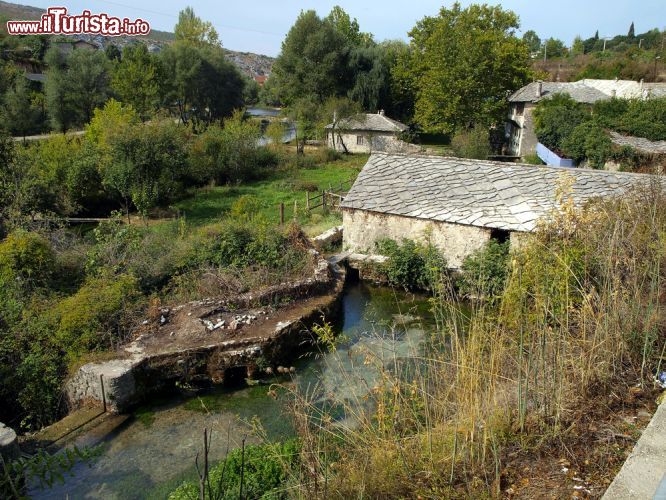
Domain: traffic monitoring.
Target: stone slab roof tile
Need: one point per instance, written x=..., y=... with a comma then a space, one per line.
x=481, y=193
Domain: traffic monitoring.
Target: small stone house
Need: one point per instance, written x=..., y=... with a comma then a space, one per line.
x=460, y=204
x=520, y=137
x=366, y=132
x=651, y=155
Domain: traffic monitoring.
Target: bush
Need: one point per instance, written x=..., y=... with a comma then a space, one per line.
x=484, y=272
x=93, y=316
x=555, y=119
x=239, y=245
x=265, y=469
x=27, y=257
x=411, y=265
x=473, y=143
x=588, y=141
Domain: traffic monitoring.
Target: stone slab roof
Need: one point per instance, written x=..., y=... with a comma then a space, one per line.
x=488, y=194
x=370, y=121
x=639, y=143
x=590, y=90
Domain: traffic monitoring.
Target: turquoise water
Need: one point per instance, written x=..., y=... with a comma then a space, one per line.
x=155, y=449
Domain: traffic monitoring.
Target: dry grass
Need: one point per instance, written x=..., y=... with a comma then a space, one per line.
x=583, y=305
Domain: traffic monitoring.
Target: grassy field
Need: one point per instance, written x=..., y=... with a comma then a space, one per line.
x=284, y=186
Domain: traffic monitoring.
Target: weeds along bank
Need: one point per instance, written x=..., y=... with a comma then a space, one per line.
x=579, y=315
x=71, y=295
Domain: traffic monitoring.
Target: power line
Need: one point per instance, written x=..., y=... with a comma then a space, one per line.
x=227, y=26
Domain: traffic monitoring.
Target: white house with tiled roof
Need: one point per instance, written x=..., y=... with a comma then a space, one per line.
x=520, y=137
x=459, y=204
x=366, y=132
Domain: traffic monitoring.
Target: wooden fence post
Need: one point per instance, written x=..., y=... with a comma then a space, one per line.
x=281, y=213
x=295, y=208
x=323, y=200
x=307, y=201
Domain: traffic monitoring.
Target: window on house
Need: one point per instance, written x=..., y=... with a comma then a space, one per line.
x=520, y=108
x=359, y=140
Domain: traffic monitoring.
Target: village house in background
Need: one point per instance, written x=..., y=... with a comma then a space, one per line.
x=520, y=137
x=460, y=204
x=366, y=132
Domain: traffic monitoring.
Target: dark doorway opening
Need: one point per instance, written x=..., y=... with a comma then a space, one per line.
x=235, y=376
x=500, y=235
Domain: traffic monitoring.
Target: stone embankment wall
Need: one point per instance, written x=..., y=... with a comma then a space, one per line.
x=125, y=382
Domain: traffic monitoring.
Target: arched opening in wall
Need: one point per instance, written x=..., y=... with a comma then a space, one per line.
x=500, y=235
x=235, y=376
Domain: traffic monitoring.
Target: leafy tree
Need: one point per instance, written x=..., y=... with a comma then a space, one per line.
x=135, y=80
x=348, y=27
x=305, y=113
x=578, y=47
x=76, y=84
x=334, y=112
x=371, y=82
x=556, y=117
x=532, y=40
x=465, y=62
x=18, y=113
x=401, y=80
x=588, y=141
x=202, y=84
x=193, y=30
x=148, y=165
x=229, y=154
x=112, y=52
x=555, y=48
x=312, y=63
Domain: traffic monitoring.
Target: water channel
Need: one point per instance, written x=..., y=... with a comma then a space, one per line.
x=154, y=449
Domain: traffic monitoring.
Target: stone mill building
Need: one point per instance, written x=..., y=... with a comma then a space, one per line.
x=459, y=203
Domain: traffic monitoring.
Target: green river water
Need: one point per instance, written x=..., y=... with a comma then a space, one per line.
x=152, y=452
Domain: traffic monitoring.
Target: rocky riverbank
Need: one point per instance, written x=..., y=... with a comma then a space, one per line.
x=211, y=341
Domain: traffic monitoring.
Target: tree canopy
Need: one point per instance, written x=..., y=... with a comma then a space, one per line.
x=464, y=64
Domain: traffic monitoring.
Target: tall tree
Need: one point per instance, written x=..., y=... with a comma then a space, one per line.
x=348, y=27
x=312, y=63
x=465, y=64
x=193, y=30
x=632, y=32
x=201, y=83
x=76, y=84
x=555, y=48
x=578, y=46
x=532, y=40
x=135, y=80
x=18, y=114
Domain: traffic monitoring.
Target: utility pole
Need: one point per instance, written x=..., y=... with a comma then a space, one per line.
x=640, y=43
x=545, y=48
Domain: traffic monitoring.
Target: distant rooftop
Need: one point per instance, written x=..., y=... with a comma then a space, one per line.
x=589, y=90
x=480, y=193
x=639, y=143
x=376, y=122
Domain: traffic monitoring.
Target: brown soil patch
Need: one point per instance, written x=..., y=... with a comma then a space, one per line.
x=187, y=326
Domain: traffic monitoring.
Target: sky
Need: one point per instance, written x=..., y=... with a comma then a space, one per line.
x=261, y=25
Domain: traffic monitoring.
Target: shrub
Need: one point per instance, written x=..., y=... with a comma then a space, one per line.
x=238, y=245
x=27, y=257
x=245, y=207
x=588, y=141
x=484, y=272
x=473, y=143
x=555, y=118
x=265, y=469
x=92, y=317
x=411, y=265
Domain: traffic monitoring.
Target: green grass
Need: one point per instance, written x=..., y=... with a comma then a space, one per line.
x=212, y=204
